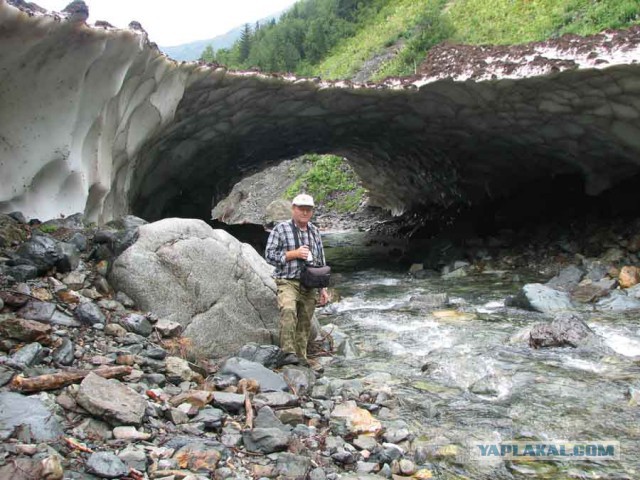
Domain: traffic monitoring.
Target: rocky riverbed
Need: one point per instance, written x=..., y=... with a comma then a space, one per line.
x=94, y=387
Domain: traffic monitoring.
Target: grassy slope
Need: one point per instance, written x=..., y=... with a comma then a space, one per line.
x=423, y=23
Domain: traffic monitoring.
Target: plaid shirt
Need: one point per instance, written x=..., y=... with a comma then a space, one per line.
x=281, y=240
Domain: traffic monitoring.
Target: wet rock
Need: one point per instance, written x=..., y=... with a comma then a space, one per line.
x=68, y=257
x=347, y=418
x=567, y=279
x=266, y=440
x=629, y=276
x=342, y=343
x=40, y=251
x=563, y=331
x=541, y=298
x=27, y=356
x=634, y=292
x=64, y=353
x=588, y=292
x=429, y=300
x=89, y=313
x=269, y=381
x=22, y=273
x=17, y=410
x=292, y=466
x=111, y=400
x=268, y=355
x=137, y=323
x=106, y=465
x=24, y=330
x=618, y=301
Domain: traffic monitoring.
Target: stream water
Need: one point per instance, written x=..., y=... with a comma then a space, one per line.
x=465, y=373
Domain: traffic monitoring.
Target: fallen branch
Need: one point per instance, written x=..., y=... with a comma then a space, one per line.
x=62, y=379
x=249, y=410
x=73, y=443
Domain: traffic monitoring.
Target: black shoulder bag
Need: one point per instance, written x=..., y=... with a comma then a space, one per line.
x=311, y=276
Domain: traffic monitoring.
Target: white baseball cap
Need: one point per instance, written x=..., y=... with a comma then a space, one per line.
x=303, y=200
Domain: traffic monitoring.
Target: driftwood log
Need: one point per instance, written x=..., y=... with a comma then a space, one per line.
x=62, y=379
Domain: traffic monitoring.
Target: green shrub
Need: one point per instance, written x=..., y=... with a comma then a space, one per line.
x=331, y=181
x=48, y=228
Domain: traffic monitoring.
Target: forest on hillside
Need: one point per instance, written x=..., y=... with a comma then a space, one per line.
x=334, y=38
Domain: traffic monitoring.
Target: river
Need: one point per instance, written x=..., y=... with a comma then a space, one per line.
x=465, y=373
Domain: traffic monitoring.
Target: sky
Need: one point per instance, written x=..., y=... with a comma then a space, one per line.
x=170, y=23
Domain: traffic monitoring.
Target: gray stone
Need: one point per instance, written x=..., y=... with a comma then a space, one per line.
x=17, y=410
x=211, y=418
x=68, y=257
x=269, y=381
x=266, y=418
x=535, y=296
x=22, y=273
x=567, y=279
x=106, y=465
x=92, y=429
x=168, y=329
x=79, y=240
x=200, y=456
x=565, y=330
x=124, y=299
x=276, y=400
x=301, y=379
x=6, y=374
x=27, y=356
x=40, y=251
x=365, y=442
x=168, y=272
x=231, y=402
x=134, y=457
x=111, y=400
x=178, y=370
x=89, y=313
x=64, y=354
x=618, y=301
x=292, y=466
x=267, y=355
x=266, y=440
x=137, y=323
x=430, y=300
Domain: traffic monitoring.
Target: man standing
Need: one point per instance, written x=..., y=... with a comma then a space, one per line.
x=292, y=244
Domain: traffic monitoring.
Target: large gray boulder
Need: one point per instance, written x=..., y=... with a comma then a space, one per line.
x=219, y=289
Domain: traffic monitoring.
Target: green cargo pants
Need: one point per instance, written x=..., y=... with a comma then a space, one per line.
x=296, y=304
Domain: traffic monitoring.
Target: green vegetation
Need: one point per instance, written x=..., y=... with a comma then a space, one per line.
x=334, y=38
x=520, y=21
x=332, y=183
x=48, y=228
